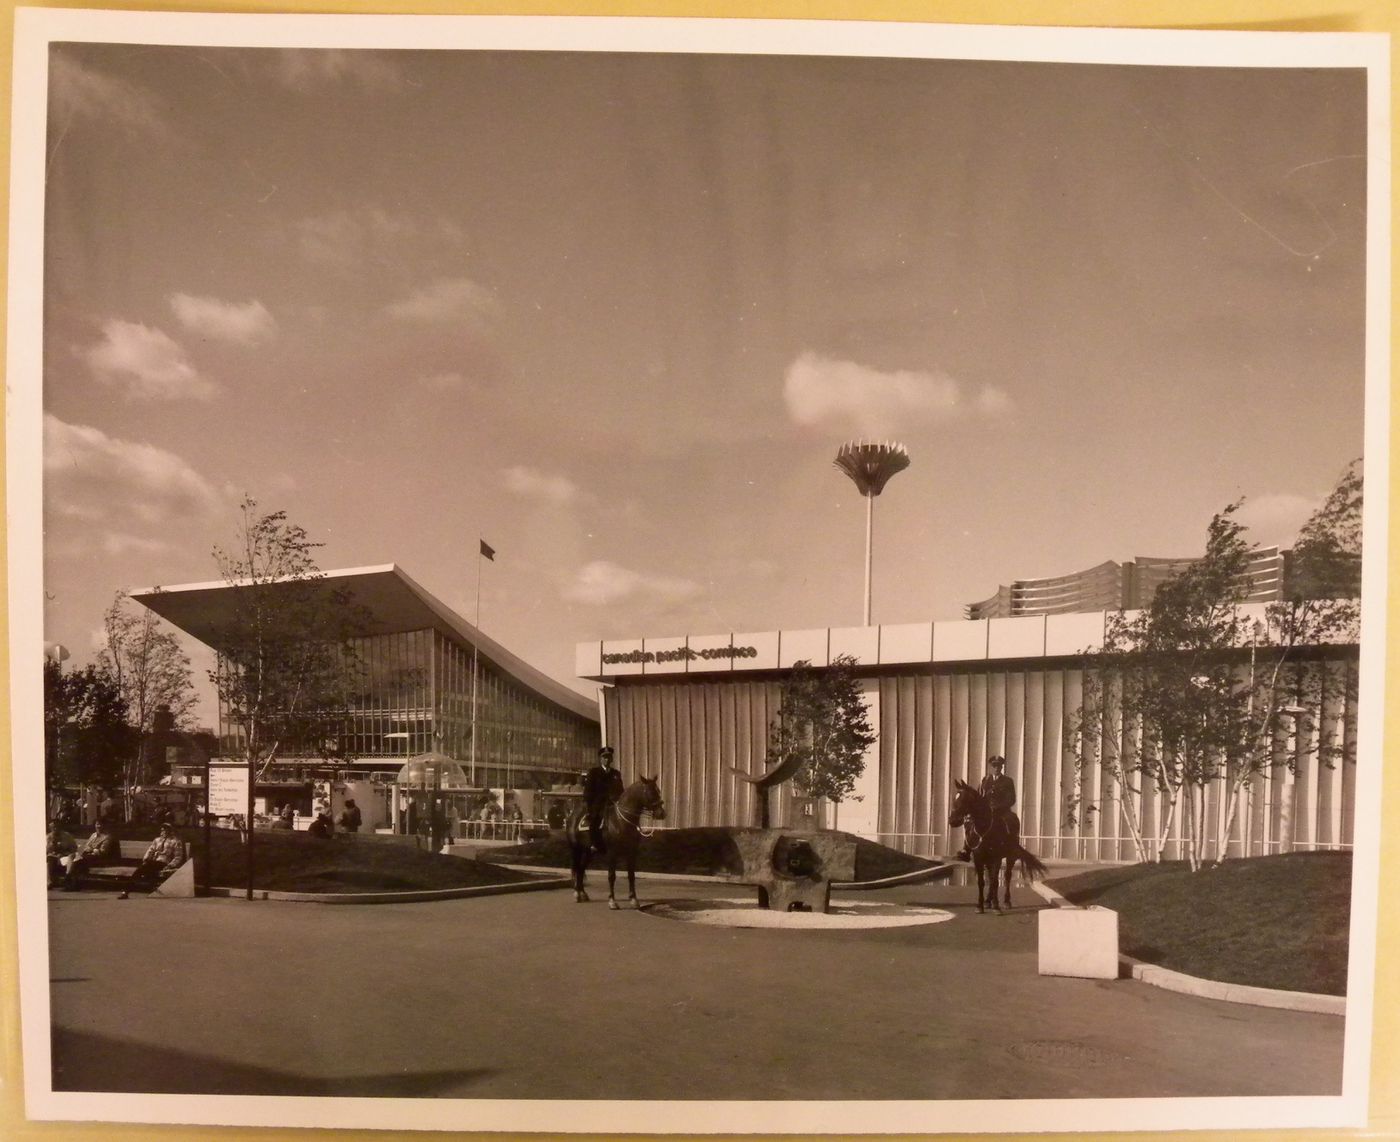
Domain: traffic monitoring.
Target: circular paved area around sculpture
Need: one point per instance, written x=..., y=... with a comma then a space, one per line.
x=735, y=912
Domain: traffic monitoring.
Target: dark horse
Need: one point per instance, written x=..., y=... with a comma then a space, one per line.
x=991, y=840
x=621, y=831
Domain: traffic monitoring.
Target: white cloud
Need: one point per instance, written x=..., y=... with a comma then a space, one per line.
x=600, y=583
x=1276, y=517
x=353, y=238
x=80, y=92
x=447, y=299
x=122, y=495
x=992, y=401
x=245, y=324
x=146, y=362
x=823, y=391
x=537, y=485
x=306, y=69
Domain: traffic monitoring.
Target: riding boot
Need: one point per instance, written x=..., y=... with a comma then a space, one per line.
x=597, y=837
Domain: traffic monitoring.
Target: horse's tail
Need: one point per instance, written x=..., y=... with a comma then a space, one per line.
x=1031, y=864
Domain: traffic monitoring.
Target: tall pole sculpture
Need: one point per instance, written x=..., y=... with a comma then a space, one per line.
x=870, y=467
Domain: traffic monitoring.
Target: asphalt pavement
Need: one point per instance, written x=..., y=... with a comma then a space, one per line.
x=532, y=996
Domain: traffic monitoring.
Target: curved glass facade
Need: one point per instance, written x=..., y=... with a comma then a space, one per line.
x=420, y=684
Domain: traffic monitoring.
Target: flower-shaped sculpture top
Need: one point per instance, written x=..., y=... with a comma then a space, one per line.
x=870, y=466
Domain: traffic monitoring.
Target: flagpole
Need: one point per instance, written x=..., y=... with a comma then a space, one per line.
x=482, y=552
x=477, y=624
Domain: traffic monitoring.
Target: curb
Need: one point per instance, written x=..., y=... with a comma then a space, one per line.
x=412, y=897
x=1169, y=980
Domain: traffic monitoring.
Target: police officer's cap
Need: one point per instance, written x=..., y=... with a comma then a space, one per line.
x=998, y=760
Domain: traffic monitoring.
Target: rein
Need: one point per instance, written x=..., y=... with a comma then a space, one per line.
x=635, y=822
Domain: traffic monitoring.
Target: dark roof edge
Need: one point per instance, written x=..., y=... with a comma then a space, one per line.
x=439, y=613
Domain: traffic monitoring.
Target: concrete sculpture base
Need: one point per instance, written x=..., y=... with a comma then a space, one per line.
x=792, y=869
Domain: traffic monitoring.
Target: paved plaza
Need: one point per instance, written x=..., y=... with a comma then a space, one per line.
x=528, y=996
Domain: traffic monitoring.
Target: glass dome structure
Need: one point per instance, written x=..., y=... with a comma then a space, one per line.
x=432, y=770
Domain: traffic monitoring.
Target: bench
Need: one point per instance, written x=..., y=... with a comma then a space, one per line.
x=119, y=874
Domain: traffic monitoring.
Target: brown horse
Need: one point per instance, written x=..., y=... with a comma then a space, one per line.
x=621, y=831
x=991, y=840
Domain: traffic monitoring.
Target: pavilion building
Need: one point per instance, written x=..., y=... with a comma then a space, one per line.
x=943, y=697
x=428, y=681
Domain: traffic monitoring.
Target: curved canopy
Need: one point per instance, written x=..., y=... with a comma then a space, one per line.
x=428, y=770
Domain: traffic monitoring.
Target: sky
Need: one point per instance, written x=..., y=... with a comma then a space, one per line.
x=614, y=314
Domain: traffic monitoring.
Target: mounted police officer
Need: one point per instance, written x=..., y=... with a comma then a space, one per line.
x=1000, y=792
x=602, y=785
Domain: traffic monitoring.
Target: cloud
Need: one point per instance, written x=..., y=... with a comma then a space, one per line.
x=79, y=92
x=992, y=401
x=536, y=485
x=1276, y=517
x=445, y=300
x=600, y=583
x=822, y=391
x=122, y=496
x=309, y=69
x=349, y=238
x=147, y=362
x=244, y=324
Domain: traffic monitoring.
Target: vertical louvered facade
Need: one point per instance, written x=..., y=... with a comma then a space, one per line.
x=938, y=720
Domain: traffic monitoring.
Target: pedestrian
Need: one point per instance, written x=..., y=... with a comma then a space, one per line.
x=350, y=818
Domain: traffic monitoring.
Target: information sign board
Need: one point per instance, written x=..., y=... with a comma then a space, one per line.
x=228, y=790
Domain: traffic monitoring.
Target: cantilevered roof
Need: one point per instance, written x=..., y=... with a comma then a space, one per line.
x=394, y=603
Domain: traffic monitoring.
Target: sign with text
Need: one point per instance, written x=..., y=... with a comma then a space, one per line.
x=228, y=790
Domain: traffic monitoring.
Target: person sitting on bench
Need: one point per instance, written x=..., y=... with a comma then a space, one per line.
x=99, y=849
x=59, y=847
x=165, y=854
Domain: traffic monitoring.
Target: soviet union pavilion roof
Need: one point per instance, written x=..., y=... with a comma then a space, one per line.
x=395, y=603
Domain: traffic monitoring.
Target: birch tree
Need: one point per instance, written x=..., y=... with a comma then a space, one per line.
x=151, y=670
x=286, y=661
x=1193, y=690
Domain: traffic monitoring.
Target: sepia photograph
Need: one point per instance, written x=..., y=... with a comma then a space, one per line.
x=696, y=576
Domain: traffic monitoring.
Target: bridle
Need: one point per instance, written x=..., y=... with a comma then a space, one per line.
x=636, y=822
x=966, y=818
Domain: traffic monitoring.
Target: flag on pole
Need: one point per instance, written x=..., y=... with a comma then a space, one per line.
x=489, y=552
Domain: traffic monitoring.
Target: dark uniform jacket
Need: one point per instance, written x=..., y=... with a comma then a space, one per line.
x=601, y=785
x=1000, y=791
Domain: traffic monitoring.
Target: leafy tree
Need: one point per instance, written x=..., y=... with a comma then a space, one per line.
x=151, y=670
x=1192, y=691
x=86, y=726
x=822, y=729
x=285, y=658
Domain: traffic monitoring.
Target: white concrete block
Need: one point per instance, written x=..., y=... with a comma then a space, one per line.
x=179, y=883
x=1081, y=942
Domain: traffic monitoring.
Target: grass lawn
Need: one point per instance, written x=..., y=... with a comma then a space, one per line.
x=1276, y=921
x=299, y=862
x=702, y=852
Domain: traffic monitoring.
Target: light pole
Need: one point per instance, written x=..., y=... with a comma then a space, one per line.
x=407, y=741
x=870, y=467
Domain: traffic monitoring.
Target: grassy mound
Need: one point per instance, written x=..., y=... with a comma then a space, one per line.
x=707, y=851
x=298, y=862
x=1277, y=921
